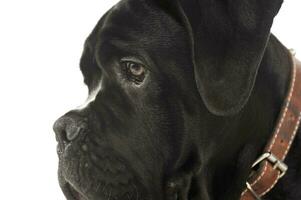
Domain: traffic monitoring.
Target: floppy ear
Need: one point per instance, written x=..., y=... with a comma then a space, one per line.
x=228, y=39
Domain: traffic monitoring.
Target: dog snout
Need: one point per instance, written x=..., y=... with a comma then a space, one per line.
x=68, y=128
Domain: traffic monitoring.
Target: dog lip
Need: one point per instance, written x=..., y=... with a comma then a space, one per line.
x=73, y=192
x=69, y=191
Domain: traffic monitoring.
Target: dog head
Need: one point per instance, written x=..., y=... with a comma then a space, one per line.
x=161, y=75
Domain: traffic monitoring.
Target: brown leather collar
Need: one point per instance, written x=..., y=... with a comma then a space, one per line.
x=271, y=163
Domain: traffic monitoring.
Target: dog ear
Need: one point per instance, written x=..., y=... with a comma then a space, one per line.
x=228, y=39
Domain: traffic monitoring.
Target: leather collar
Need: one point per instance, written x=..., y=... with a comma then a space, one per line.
x=270, y=164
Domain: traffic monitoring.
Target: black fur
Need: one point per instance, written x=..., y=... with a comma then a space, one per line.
x=215, y=83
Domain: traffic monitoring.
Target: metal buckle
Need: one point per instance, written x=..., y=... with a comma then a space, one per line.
x=253, y=192
x=278, y=164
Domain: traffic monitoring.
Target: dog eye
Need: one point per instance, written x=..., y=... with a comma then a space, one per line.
x=134, y=71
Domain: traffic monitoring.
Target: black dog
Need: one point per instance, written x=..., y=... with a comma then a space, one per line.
x=184, y=94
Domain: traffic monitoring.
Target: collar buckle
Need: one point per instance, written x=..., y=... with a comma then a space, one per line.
x=278, y=164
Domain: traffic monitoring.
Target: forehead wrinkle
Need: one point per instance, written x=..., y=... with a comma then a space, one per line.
x=125, y=20
x=108, y=44
x=125, y=38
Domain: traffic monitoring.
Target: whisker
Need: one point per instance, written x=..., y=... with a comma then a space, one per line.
x=137, y=194
x=110, y=195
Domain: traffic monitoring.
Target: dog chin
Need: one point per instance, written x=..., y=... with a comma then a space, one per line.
x=98, y=188
x=97, y=177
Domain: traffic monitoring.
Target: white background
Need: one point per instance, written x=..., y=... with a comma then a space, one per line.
x=40, y=46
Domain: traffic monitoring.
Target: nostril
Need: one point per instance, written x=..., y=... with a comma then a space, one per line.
x=68, y=128
x=72, y=132
x=59, y=129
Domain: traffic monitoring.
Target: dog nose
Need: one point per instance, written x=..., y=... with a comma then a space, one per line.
x=68, y=128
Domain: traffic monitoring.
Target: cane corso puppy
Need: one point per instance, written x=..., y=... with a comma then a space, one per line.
x=183, y=96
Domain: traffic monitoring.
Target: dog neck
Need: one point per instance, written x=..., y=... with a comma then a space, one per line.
x=256, y=124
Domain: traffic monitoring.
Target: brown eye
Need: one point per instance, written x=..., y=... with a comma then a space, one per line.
x=134, y=71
